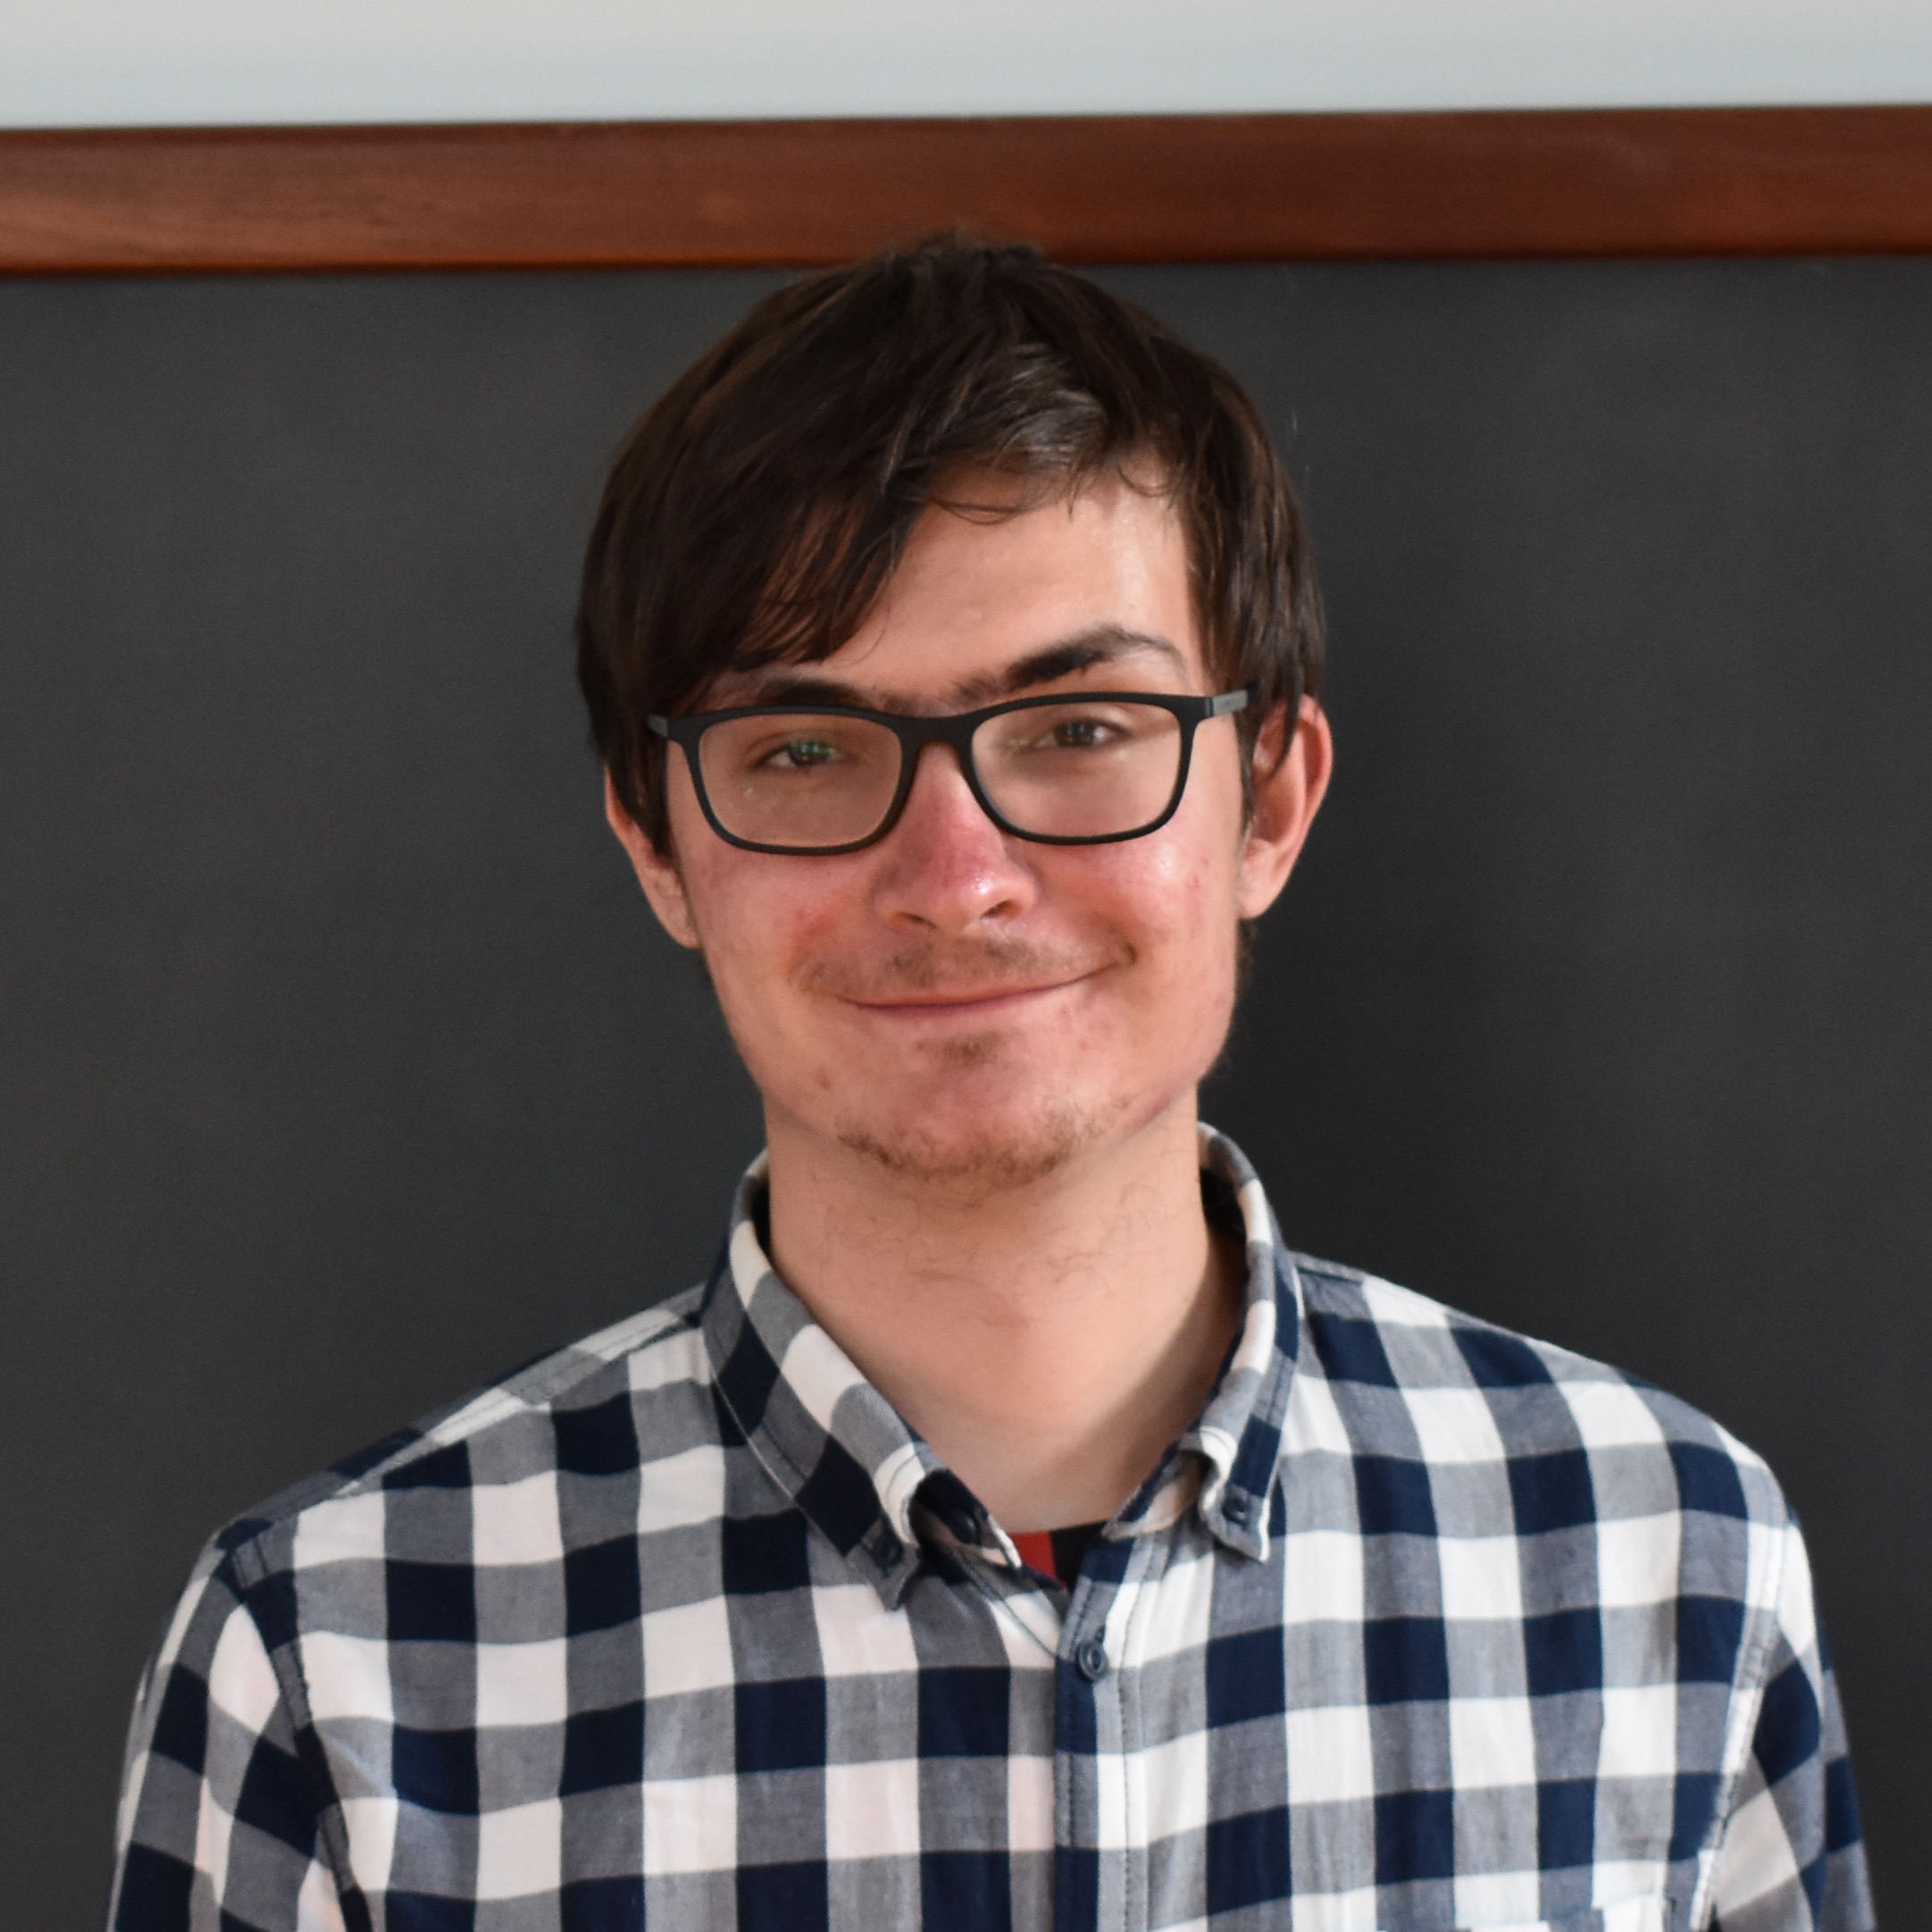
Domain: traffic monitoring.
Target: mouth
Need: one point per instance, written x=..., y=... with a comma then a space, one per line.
x=987, y=1003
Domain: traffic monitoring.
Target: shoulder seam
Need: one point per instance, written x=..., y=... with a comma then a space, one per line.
x=549, y=1377
x=285, y=1661
x=1747, y=1695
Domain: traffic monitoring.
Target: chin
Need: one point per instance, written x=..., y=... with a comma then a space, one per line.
x=976, y=1161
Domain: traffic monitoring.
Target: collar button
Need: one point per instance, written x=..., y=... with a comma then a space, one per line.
x=1237, y=1506
x=1092, y=1660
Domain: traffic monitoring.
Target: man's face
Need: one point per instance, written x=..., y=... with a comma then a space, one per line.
x=955, y=1004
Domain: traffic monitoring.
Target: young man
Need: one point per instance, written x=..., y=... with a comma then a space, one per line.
x=1012, y=1532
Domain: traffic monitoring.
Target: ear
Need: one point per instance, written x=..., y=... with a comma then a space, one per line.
x=1289, y=780
x=657, y=873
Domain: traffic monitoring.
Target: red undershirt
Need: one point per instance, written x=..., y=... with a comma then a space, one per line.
x=1058, y=1553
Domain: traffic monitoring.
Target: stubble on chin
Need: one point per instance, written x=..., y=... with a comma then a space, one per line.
x=974, y=1167
x=971, y=1164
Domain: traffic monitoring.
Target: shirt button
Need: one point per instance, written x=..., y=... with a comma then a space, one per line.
x=1091, y=1660
x=1237, y=1506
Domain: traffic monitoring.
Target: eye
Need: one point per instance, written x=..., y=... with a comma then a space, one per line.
x=1079, y=735
x=801, y=755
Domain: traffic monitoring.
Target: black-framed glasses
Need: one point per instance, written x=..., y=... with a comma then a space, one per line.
x=1072, y=768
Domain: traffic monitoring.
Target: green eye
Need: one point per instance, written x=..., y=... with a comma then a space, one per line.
x=808, y=751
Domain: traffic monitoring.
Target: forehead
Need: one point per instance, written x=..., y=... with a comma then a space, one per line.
x=994, y=593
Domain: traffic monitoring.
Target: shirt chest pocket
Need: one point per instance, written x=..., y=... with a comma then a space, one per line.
x=1650, y=1914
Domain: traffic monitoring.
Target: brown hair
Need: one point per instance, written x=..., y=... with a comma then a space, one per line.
x=757, y=512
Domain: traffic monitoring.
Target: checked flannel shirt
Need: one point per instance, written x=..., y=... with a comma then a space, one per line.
x=1421, y=1626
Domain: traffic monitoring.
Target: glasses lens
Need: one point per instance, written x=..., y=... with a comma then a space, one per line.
x=800, y=778
x=1084, y=769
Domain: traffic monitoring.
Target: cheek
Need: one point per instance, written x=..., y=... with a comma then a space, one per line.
x=759, y=918
x=1173, y=901
x=1184, y=877
x=749, y=928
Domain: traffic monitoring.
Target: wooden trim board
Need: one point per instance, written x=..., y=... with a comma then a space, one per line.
x=1105, y=189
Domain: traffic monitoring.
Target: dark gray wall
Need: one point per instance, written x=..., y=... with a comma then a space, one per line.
x=340, y=1066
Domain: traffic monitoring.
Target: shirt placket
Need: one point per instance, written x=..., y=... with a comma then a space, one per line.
x=1100, y=1809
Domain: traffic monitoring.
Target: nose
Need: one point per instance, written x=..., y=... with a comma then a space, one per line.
x=945, y=867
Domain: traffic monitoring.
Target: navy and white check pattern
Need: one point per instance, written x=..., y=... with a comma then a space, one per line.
x=1422, y=1625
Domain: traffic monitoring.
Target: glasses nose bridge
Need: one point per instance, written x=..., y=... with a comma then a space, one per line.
x=917, y=735
x=954, y=729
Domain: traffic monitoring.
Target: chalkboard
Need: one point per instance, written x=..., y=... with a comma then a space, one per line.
x=343, y=1067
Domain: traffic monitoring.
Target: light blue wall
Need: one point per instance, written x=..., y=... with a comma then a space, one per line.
x=131, y=62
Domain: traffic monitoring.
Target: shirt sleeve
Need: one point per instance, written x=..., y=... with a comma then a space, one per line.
x=1791, y=1858
x=218, y=1827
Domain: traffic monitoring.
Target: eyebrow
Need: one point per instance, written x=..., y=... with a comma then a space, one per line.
x=1097, y=644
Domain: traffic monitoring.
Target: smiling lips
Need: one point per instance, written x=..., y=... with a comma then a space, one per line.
x=965, y=1001
x=957, y=979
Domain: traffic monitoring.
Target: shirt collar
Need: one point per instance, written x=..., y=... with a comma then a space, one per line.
x=834, y=1444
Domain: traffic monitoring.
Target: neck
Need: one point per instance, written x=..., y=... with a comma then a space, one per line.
x=1049, y=1341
